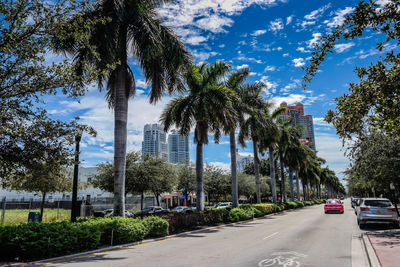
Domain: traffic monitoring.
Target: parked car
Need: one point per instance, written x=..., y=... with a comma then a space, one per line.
x=110, y=212
x=181, y=208
x=357, y=205
x=353, y=201
x=333, y=205
x=152, y=210
x=223, y=205
x=377, y=211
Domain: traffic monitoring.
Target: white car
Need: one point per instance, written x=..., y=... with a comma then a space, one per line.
x=223, y=205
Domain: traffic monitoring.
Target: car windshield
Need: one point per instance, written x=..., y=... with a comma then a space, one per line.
x=377, y=203
x=333, y=201
x=144, y=210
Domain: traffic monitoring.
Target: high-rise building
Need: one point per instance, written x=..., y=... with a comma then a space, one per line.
x=242, y=160
x=178, y=147
x=154, y=141
x=296, y=113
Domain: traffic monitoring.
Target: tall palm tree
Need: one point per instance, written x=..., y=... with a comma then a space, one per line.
x=249, y=100
x=254, y=128
x=270, y=138
x=208, y=106
x=293, y=156
x=131, y=27
x=283, y=143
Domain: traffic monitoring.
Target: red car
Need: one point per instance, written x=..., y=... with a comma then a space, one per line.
x=334, y=205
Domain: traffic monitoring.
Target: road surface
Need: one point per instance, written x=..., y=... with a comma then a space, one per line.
x=304, y=237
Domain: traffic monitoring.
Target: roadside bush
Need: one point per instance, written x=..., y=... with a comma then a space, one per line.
x=215, y=216
x=292, y=205
x=278, y=207
x=265, y=208
x=299, y=204
x=40, y=240
x=44, y=240
x=156, y=226
x=238, y=214
x=257, y=212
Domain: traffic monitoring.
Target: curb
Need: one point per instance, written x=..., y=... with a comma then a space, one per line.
x=128, y=245
x=370, y=251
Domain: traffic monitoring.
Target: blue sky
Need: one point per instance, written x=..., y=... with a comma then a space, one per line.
x=273, y=37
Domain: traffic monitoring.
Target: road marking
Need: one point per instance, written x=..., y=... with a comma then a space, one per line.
x=271, y=235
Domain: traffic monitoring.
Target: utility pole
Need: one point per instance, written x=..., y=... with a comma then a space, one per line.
x=75, y=181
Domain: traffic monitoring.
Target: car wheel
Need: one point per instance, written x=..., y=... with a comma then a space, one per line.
x=326, y=212
x=361, y=225
x=396, y=225
x=341, y=212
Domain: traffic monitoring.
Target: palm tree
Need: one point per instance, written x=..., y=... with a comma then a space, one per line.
x=270, y=138
x=130, y=27
x=248, y=100
x=254, y=128
x=293, y=156
x=208, y=106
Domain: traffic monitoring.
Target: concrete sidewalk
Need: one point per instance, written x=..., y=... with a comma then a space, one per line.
x=386, y=245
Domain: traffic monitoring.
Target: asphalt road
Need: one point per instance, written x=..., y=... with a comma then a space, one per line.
x=305, y=237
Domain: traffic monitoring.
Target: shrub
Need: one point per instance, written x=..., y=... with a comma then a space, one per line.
x=156, y=226
x=299, y=204
x=265, y=208
x=278, y=207
x=292, y=205
x=43, y=240
x=257, y=212
x=40, y=240
x=238, y=214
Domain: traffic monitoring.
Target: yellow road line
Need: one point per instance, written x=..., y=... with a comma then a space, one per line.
x=105, y=252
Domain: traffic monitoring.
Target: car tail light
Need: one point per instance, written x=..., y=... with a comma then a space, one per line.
x=364, y=209
x=395, y=220
x=393, y=209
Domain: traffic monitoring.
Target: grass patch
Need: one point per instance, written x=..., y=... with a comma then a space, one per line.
x=16, y=216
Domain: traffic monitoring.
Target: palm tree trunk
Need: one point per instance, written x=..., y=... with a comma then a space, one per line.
x=291, y=185
x=120, y=136
x=199, y=178
x=272, y=173
x=235, y=195
x=141, y=201
x=283, y=186
x=298, y=186
x=257, y=171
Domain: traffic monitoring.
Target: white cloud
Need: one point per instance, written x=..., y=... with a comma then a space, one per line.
x=289, y=19
x=188, y=17
x=221, y=46
x=214, y=23
x=302, y=50
x=203, y=56
x=293, y=85
x=242, y=66
x=258, y=32
x=340, y=48
x=269, y=84
x=222, y=165
x=298, y=62
x=195, y=40
x=339, y=18
x=285, y=55
x=315, y=14
x=321, y=122
x=270, y=68
x=141, y=83
x=276, y=25
x=312, y=42
x=290, y=99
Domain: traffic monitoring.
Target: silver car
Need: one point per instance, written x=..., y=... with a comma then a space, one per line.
x=377, y=211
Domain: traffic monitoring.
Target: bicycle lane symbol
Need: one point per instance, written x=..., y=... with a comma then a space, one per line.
x=284, y=259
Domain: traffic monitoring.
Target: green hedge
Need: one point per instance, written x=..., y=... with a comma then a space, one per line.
x=45, y=240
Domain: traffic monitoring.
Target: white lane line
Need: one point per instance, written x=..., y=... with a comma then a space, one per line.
x=271, y=235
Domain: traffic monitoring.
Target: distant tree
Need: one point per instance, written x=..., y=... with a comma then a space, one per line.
x=46, y=177
x=186, y=179
x=161, y=175
x=264, y=168
x=216, y=183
